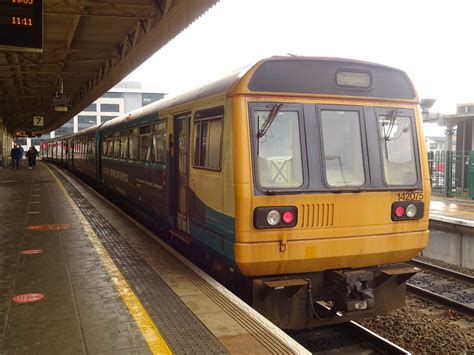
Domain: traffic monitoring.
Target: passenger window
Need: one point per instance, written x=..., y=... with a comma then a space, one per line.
x=117, y=145
x=108, y=144
x=145, y=143
x=133, y=144
x=159, y=142
x=342, y=143
x=124, y=144
x=93, y=146
x=208, y=127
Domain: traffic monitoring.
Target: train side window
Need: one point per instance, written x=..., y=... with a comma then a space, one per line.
x=160, y=142
x=124, y=145
x=116, y=145
x=145, y=143
x=208, y=127
x=107, y=147
x=93, y=145
x=133, y=144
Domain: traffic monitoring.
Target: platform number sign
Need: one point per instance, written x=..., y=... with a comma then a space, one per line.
x=38, y=121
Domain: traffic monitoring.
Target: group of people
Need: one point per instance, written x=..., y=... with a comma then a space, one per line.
x=17, y=153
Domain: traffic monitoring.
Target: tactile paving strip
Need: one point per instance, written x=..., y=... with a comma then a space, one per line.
x=182, y=330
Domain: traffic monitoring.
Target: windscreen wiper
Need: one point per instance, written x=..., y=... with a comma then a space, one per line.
x=391, y=124
x=266, y=125
x=268, y=122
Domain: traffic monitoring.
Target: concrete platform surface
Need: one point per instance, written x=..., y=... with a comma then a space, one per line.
x=79, y=277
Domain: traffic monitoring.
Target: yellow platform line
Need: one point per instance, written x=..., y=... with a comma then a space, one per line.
x=150, y=332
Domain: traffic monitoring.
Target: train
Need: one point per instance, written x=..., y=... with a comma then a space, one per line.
x=302, y=181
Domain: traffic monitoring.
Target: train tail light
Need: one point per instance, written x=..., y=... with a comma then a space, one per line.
x=407, y=210
x=275, y=217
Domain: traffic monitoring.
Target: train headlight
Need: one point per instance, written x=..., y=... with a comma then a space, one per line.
x=411, y=210
x=407, y=210
x=273, y=217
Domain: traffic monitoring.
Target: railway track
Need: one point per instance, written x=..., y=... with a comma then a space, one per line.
x=345, y=338
x=446, y=287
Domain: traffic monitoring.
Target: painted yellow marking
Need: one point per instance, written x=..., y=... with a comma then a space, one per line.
x=150, y=332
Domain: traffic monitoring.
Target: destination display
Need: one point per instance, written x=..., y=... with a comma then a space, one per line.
x=21, y=25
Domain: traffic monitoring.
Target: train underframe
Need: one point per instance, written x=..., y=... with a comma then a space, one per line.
x=329, y=297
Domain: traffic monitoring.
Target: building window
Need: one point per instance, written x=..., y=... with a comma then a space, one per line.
x=208, y=138
x=110, y=107
x=114, y=95
x=67, y=128
x=106, y=118
x=149, y=98
x=91, y=108
x=84, y=122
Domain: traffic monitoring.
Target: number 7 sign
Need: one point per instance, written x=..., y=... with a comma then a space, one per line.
x=38, y=121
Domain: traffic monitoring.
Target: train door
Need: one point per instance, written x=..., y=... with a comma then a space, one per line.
x=181, y=163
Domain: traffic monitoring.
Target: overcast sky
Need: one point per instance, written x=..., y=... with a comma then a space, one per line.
x=431, y=40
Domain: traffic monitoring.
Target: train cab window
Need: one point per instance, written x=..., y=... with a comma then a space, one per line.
x=398, y=151
x=124, y=145
x=159, y=142
x=133, y=144
x=342, y=143
x=116, y=153
x=279, y=163
x=208, y=126
x=145, y=143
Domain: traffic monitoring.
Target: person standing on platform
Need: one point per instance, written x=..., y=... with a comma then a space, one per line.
x=22, y=154
x=16, y=156
x=31, y=154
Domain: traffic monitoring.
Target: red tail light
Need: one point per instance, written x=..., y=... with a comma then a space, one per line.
x=288, y=217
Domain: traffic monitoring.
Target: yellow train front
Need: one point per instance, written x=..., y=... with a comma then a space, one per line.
x=303, y=178
x=331, y=188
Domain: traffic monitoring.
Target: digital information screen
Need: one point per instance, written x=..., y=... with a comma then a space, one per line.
x=21, y=25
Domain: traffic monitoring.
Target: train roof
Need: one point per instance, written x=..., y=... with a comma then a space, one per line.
x=290, y=75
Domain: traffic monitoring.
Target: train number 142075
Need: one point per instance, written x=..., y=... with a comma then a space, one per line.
x=410, y=196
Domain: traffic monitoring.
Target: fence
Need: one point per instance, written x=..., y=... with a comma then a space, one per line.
x=449, y=173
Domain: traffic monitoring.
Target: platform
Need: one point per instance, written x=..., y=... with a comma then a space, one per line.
x=451, y=231
x=79, y=276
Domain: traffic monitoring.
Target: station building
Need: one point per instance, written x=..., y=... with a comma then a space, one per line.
x=124, y=97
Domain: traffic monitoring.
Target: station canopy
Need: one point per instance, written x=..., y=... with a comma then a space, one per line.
x=88, y=47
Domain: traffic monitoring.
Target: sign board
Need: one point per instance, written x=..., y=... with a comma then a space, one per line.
x=21, y=25
x=61, y=100
x=38, y=121
x=29, y=134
